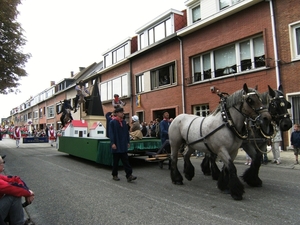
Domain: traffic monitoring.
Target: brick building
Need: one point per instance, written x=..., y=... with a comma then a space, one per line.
x=179, y=60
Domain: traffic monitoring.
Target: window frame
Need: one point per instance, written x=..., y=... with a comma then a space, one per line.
x=235, y=67
x=50, y=111
x=140, y=83
x=156, y=76
x=119, y=85
x=294, y=42
x=229, y=3
x=151, y=34
x=203, y=109
x=192, y=12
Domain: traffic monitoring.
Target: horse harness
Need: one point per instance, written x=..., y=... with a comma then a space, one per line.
x=227, y=119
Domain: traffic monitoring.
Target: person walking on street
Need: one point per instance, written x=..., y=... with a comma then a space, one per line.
x=164, y=132
x=17, y=136
x=295, y=141
x=119, y=140
x=275, y=146
x=51, y=135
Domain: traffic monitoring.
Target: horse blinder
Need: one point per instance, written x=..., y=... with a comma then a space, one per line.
x=250, y=102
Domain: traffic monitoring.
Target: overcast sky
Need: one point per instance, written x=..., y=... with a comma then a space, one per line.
x=63, y=35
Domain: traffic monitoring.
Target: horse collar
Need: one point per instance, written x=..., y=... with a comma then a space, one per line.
x=227, y=119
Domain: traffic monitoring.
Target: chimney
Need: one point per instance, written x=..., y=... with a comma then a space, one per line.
x=72, y=74
x=52, y=83
x=81, y=68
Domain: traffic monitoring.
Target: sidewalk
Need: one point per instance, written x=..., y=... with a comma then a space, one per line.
x=287, y=159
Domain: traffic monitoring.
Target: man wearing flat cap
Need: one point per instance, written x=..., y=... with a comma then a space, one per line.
x=119, y=140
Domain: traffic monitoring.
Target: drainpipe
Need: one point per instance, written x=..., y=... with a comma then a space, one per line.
x=182, y=77
x=274, y=43
x=132, y=90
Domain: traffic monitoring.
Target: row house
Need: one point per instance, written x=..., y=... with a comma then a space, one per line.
x=287, y=36
x=42, y=109
x=178, y=61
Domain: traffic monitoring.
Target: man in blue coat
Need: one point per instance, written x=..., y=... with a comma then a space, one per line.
x=164, y=133
x=120, y=142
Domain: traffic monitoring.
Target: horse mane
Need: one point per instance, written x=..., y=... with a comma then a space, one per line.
x=265, y=98
x=237, y=97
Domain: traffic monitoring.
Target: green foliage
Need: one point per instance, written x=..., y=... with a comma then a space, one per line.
x=12, y=60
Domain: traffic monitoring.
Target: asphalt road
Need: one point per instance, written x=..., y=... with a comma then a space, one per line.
x=70, y=190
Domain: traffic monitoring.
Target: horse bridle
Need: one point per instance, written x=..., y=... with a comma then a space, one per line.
x=273, y=103
x=227, y=117
x=248, y=100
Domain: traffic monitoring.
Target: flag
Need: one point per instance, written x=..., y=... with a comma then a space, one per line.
x=138, y=100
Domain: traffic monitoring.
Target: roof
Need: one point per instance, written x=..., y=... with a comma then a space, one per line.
x=76, y=123
x=94, y=126
x=79, y=123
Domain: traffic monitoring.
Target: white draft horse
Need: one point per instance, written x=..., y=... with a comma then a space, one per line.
x=219, y=133
x=256, y=143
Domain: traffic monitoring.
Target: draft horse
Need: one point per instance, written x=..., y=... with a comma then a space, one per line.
x=256, y=143
x=219, y=133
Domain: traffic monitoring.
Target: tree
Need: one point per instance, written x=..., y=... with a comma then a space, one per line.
x=12, y=60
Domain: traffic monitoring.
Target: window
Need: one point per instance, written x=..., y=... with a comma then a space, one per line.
x=235, y=58
x=295, y=40
x=259, y=52
x=140, y=87
x=196, y=14
x=142, y=41
x=50, y=111
x=36, y=114
x=295, y=100
x=226, y=3
x=245, y=55
x=225, y=61
x=118, y=86
x=107, y=60
x=201, y=110
x=116, y=55
x=41, y=113
x=156, y=33
x=163, y=76
x=58, y=107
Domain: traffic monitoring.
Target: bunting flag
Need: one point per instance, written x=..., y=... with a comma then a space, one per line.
x=138, y=100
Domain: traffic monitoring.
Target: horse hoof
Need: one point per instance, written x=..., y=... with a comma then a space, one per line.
x=238, y=198
x=178, y=182
x=188, y=178
x=226, y=191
